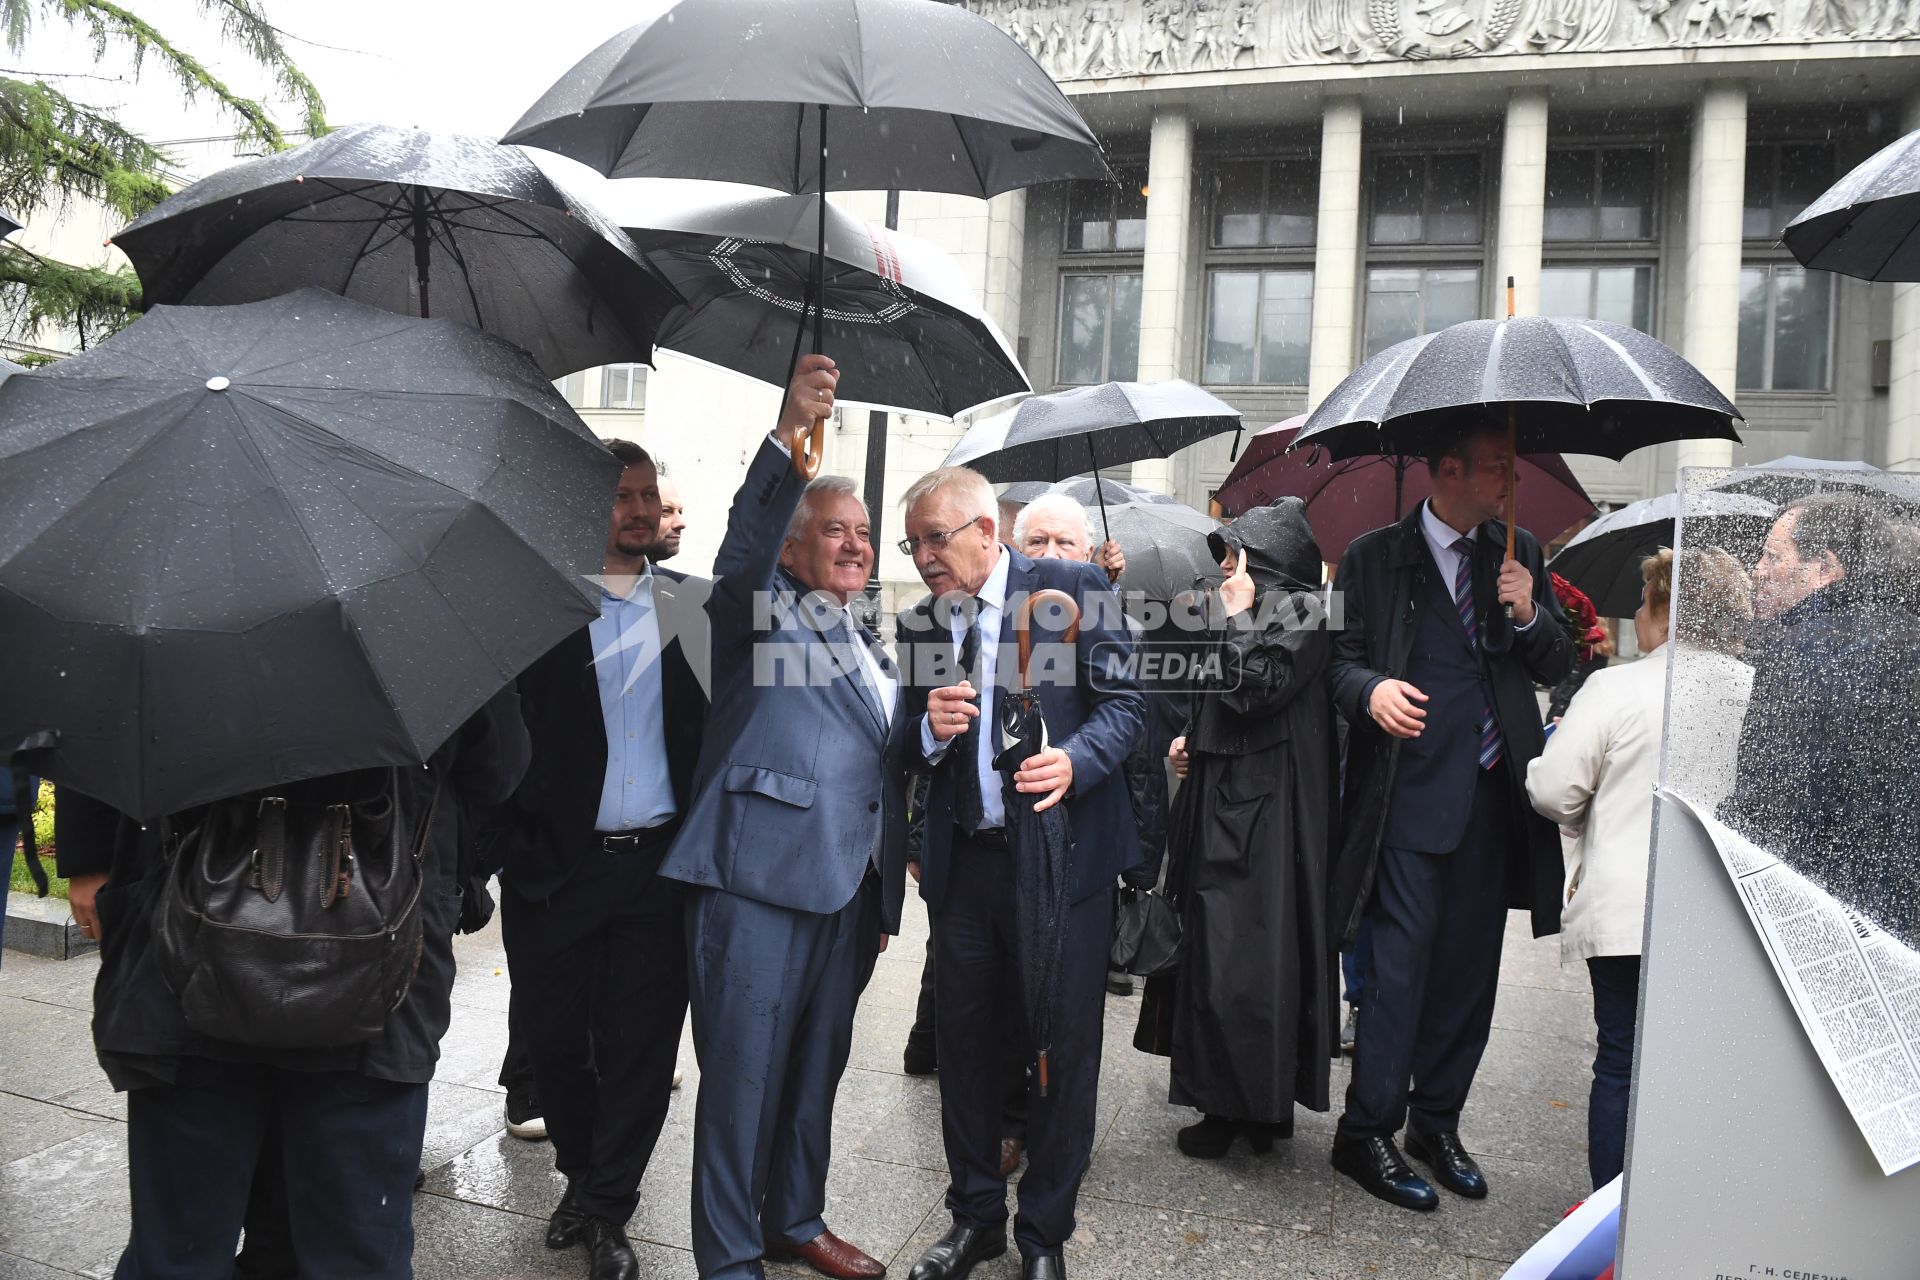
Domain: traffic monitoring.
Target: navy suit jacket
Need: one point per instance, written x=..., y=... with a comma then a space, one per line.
x=1097, y=718
x=796, y=792
x=540, y=835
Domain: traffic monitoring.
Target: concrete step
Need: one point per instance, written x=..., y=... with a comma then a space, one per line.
x=44, y=927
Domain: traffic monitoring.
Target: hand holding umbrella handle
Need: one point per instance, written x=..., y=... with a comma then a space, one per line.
x=1023, y=624
x=809, y=447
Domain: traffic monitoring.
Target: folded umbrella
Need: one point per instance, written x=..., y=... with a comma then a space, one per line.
x=906, y=330
x=1603, y=559
x=1041, y=844
x=1347, y=497
x=242, y=546
x=416, y=223
x=1868, y=223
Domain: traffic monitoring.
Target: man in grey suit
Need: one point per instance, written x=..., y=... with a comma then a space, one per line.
x=794, y=846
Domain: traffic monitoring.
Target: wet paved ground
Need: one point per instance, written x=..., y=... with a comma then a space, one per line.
x=1145, y=1210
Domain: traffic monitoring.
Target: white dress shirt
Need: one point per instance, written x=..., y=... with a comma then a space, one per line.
x=992, y=598
x=883, y=686
x=1440, y=539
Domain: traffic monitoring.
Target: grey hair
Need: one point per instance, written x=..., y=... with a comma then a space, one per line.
x=837, y=486
x=969, y=488
x=1058, y=503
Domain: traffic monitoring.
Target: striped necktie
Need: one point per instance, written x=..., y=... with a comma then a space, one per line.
x=1490, y=748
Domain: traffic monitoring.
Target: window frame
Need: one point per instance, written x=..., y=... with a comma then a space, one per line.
x=1423, y=265
x=1656, y=151
x=1772, y=263
x=1266, y=160
x=1261, y=271
x=1594, y=262
x=1771, y=239
x=1108, y=273
x=1126, y=171
x=1425, y=247
x=607, y=374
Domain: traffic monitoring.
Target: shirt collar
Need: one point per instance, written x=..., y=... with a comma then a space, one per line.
x=994, y=591
x=1440, y=535
x=642, y=587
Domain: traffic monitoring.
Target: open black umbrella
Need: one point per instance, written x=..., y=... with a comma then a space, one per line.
x=923, y=96
x=1041, y=843
x=1604, y=558
x=247, y=545
x=905, y=328
x=415, y=223
x=1868, y=223
x=1062, y=434
x=1788, y=479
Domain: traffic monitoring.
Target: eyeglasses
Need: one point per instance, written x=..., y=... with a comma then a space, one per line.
x=935, y=541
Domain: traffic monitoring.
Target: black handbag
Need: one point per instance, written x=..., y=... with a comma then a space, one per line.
x=1146, y=934
x=290, y=919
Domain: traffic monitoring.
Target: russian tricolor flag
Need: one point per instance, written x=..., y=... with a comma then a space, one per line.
x=1582, y=1247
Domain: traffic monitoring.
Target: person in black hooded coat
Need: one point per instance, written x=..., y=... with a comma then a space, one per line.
x=1255, y=1021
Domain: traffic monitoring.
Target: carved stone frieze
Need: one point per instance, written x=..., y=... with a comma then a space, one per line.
x=1094, y=39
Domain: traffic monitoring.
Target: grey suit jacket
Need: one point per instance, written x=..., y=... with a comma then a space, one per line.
x=799, y=785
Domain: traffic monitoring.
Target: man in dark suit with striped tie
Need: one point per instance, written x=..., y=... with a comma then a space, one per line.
x=1434, y=670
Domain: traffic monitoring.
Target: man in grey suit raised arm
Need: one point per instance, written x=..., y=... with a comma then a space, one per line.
x=794, y=845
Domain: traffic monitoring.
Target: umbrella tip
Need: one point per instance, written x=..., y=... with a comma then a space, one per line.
x=299, y=177
x=218, y=383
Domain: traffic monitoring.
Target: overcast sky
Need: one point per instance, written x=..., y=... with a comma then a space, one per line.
x=471, y=66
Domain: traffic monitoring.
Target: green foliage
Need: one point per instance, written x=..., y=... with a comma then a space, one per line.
x=55, y=148
x=18, y=879
x=43, y=817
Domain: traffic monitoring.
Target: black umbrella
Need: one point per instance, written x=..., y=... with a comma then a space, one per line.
x=1868, y=223
x=1055, y=436
x=1166, y=548
x=1787, y=480
x=241, y=546
x=1573, y=386
x=917, y=96
x=1603, y=560
x=904, y=326
x=1082, y=489
x=415, y=223
x=930, y=97
x=1041, y=843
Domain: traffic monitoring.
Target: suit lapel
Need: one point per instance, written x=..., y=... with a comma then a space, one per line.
x=850, y=678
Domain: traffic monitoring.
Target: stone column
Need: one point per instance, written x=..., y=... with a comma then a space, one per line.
x=1716, y=177
x=1006, y=257
x=1336, y=258
x=1523, y=202
x=1163, y=275
x=1903, y=384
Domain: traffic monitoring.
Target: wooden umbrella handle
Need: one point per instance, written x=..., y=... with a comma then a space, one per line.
x=808, y=447
x=1023, y=625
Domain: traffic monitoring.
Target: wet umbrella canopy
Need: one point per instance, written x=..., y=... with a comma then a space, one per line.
x=903, y=325
x=1055, y=436
x=940, y=100
x=1868, y=223
x=247, y=545
x=1575, y=386
x=1603, y=560
x=415, y=223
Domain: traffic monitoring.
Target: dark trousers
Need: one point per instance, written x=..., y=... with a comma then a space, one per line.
x=774, y=992
x=1438, y=922
x=9, y=844
x=1354, y=962
x=1616, y=1008
x=599, y=995
x=1013, y=1046
x=976, y=970
x=351, y=1147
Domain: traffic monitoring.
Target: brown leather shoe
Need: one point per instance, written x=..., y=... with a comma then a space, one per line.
x=1011, y=1149
x=828, y=1254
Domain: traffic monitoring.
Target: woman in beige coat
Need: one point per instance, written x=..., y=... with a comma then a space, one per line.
x=1596, y=778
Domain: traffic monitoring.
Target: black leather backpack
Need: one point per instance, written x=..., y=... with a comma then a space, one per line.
x=290, y=918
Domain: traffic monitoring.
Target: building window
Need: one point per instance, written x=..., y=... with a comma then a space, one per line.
x=1622, y=294
x=623, y=386
x=1103, y=217
x=573, y=388
x=1259, y=325
x=1786, y=317
x=1259, y=203
x=1405, y=302
x=1600, y=194
x=1782, y=179
x=1426, y=199
x=1099, y=328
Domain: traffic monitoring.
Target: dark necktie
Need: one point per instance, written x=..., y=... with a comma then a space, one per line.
x=1490, y=748
x=968, y=808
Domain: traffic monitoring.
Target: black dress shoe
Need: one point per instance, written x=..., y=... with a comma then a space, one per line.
x=566, y=1224
x=1376, y=1165
x=1452, y=1167
x=919, y=1058
x=1047, y=1268
x=959, y=1251
x=609, y=1256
